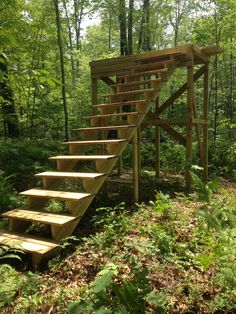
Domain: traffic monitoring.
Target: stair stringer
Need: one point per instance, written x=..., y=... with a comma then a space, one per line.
x=78, y=208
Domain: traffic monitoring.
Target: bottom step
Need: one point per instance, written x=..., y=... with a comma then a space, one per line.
x=27, y=243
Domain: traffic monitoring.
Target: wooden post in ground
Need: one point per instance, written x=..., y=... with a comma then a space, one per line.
x=189, y=125
x=136, y=164
x=94, y=94
x=157, y=144
x=205, y=126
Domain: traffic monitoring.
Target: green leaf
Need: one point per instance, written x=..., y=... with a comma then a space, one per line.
x=103, y=282
x=206, y=259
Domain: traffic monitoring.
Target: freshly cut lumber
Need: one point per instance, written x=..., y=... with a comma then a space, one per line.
x=131, y=92
x=70, y=175
x=111, y=115
x=108, y=127
x=28, y=243
x=117, y=141
x=136, y=83
x=61, y=195
x=124, y=103
x=146, y=73
x=84, y=157
x=152, y=65
x=39, y=216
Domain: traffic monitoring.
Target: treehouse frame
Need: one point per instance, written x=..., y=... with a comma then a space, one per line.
x=187, y=56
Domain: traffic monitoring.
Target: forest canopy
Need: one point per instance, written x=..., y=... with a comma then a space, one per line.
x=46, y=47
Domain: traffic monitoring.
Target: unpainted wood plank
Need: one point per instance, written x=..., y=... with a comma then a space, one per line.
x=109, y=127
x=28, y=243
x=131, y=92
x=55, y=194
x=71, y=175
x=39, y=216
x=83, y=157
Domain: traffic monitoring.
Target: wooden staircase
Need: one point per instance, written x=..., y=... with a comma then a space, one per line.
x=117, y=122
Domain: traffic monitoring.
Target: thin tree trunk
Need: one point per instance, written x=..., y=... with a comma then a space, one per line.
x=122, y=21
x=130, y=27
x=70, y=43
x=144, y=33
x=10, y=119
x=63, y=87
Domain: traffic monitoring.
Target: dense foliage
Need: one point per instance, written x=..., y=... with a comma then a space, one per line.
x=174, y=255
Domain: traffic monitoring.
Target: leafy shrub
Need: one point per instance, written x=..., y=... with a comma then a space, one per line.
x=20, y=159
x=8, y=196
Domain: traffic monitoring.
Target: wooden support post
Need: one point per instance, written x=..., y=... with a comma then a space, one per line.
x=189, y=126
x=120, y=166
x=94, y=94
x=157, y=144
x=136, y=164
x=205, y=126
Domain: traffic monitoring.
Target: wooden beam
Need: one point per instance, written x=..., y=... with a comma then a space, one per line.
x=94, y=94
x=160, y=122
x=136, y=165
x=205, y=127
x=190, y=99
x=201, y=54
x=179, y=92
x=212, y=50
x=107, y=80
x=176, y=135
x=157, y=145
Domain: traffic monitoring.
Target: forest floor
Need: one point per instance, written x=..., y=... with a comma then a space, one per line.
x=174, y=254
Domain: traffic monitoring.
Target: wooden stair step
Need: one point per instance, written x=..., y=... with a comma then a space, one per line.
x=146, y=73
x=60, y=195
x=70, y=175
x=28, y=243
x=39, y=216
x=108, y=127
x=84, y=157
x=136, y=83
x=121, y=114
x=124, y=103
x=96, y=142
x=131, y=92
x=152, y=65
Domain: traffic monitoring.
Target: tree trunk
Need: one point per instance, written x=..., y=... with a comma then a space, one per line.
x=10, y=119
x=63, y=87
x=70, y=43
x=130, y=27
x=144, y=33
x=123, y=36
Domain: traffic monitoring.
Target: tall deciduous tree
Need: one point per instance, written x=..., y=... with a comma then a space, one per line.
x=63, y=81
x=10, y=119
x=123, y=34
x=144, y=32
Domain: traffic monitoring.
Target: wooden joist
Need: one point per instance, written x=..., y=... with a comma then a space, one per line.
x=39, y=216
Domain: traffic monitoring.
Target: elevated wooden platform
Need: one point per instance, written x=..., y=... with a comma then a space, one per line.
x=132, y=103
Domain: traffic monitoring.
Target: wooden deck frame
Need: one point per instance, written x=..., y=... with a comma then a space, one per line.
x=188, y=56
